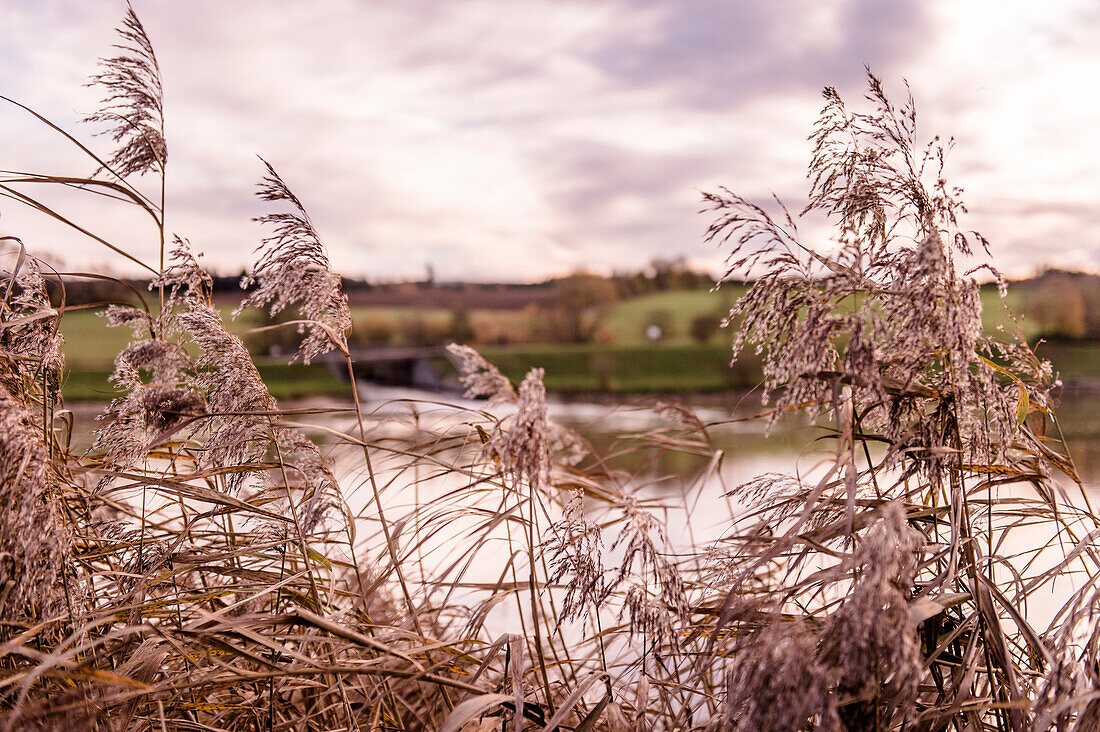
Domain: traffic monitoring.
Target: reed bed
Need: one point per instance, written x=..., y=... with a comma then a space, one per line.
x=201, y=565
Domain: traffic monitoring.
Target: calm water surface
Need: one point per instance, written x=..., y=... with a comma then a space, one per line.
x=670, y=477
x=747, y=448
x=792, y=445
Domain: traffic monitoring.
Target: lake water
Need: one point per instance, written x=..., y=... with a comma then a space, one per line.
x=747, y=449
x=638, y=440
x=660, y=469
x=735, y=428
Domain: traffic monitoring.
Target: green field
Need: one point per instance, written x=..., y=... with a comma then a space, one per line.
x=285, y=382
x=91, y=346
x=626, y=320
x=630, y=369
x=89, y=343
x=1072, y=361
x=996, y=312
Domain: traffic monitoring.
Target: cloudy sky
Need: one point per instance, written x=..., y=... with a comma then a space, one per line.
x=518, y=139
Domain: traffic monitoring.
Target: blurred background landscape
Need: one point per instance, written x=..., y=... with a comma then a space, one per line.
x=653, y=331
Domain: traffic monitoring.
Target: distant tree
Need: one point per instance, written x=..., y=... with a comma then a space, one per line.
x=704, y=326
x=581, y=298
x=661, y=274
x=603, y=367
x=374, y=330
x=273, y=342
x=1060, y=304
x=461, y=329
x=419, y=330
x=667, y=272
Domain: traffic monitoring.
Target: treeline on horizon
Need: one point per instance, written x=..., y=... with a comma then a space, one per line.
x=659, y=276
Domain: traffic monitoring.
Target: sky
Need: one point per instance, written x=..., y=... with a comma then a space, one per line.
x=515, y=140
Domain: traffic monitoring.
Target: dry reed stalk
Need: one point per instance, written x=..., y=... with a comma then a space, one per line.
x=220, y=587
x=882, y=338
x=35, y=564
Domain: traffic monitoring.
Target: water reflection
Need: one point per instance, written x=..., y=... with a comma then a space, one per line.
x=733, y=426
x=1079, y=416
x=791, y=446
x=438, y=506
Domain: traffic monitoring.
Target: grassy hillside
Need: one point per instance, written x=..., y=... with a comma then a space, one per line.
x=626, y=320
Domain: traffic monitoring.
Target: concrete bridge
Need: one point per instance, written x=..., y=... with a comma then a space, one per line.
x=415, y=366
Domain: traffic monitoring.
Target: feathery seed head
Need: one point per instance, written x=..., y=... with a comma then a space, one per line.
x=184, y=278
x=884, y=312
x=139, y=320
x=34, y=542
x=576, y=557
x=30, y=337
x=656, y=596
x=481, y=378
x=294, y=271
x=870, y=645
x=236, y=395
x=524, y=445
x=133, y=107
x=776, y=682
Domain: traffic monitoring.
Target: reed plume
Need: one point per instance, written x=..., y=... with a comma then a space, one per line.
x=656, y=599
x=481, y=378
x=206, y=581
x=152, y=372
x=776, y=682
x=133, y=108
x=293, y=271
x=35, y=563
x=870, y=645
x=35, y=540
x=574, y=545
x=880, y=339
